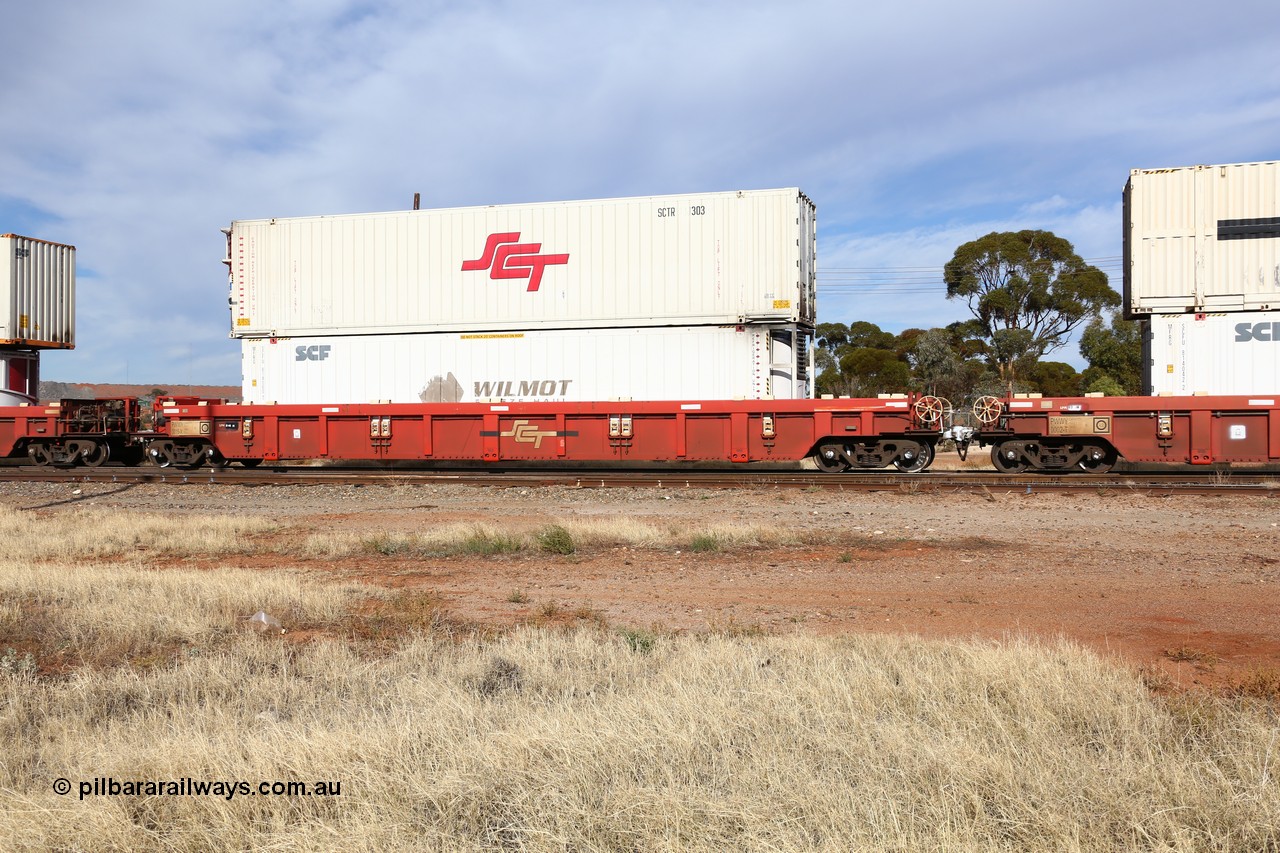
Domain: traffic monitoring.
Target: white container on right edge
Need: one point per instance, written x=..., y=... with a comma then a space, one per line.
x=1202, y=238
x=1228, y=353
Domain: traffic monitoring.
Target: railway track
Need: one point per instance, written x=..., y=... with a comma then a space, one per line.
x=1182, y=481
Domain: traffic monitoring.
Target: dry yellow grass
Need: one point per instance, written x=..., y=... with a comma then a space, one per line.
x=593, y=739
x=99, y=614
x=552, y=741
x=593, y=532
x=88, y=533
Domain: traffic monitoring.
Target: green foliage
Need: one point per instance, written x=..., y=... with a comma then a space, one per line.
x=862, y=360
x=556, y=540
x=1027, y=290
x=639, y=641
x=864, y=335
x=869, y=371
x=1114, y=352
x=704, y=543
x=1054, y=379
x=14, y=664
x=1101, y=383
x=486, y=544
x=831, y=336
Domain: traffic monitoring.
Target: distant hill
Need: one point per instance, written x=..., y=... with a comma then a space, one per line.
x=50, y=391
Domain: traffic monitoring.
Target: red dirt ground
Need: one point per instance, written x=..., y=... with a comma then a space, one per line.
x=1183, y=587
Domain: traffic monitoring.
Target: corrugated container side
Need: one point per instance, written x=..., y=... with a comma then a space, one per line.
x=714, y=258
x=1221, y=353
x=37, y=293
x=701, y=362
x=1202, y=238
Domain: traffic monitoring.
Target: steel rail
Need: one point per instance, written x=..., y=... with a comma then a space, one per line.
x=1163, y=481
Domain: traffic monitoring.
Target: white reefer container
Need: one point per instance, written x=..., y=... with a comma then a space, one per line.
x=37, y=293
x=684, y=260
x=686, y=363
x=1234, y=353
x=1202, y=238
x=19, y=377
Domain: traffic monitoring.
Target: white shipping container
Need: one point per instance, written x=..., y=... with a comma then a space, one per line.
x=714, y=258
x=699, y=362
x=19, y=377
x=37, y=293
x=1202, y=238
x=1235, y=353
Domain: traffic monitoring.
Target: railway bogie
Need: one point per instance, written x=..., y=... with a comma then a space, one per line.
x=74, y=432
x=1091, y=434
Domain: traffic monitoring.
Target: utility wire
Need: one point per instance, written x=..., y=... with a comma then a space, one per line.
x=916, y=279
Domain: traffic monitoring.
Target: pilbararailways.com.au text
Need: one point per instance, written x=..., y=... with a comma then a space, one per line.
x=106, y=786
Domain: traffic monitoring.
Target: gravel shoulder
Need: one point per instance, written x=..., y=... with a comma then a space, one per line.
x=1184, y=587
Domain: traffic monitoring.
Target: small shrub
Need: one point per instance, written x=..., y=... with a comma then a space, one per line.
x=704, y=543
x=587, y=613
x=1263, y=683
x=556, y=540
x=501, y=676
x=734, y=630
x=518, y=596
x=1187, y=654
x=639, y=641
x=14, y=664
x=384, y=544
x=487, y=544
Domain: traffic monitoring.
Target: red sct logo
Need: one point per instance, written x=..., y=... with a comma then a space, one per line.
x=505, y=257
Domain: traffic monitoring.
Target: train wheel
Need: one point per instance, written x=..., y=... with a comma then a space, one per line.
x=1007, y=460
x=913, y=461
x=39, y=454
x=830, y=459
x=160, y=453
x=1098, y=459
x=95, y=454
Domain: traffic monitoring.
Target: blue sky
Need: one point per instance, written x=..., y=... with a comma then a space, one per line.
x=136, y=130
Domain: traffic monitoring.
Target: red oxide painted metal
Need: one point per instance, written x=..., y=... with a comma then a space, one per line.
x=735, y=431
x=1200, y=430
x=21, y=423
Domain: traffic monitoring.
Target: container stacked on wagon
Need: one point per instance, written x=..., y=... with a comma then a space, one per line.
x=37, y=311
x=1202, y=273
x=651, y=329
x=702, y=297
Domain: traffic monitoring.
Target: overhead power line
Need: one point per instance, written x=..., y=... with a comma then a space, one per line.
x=916, y=279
